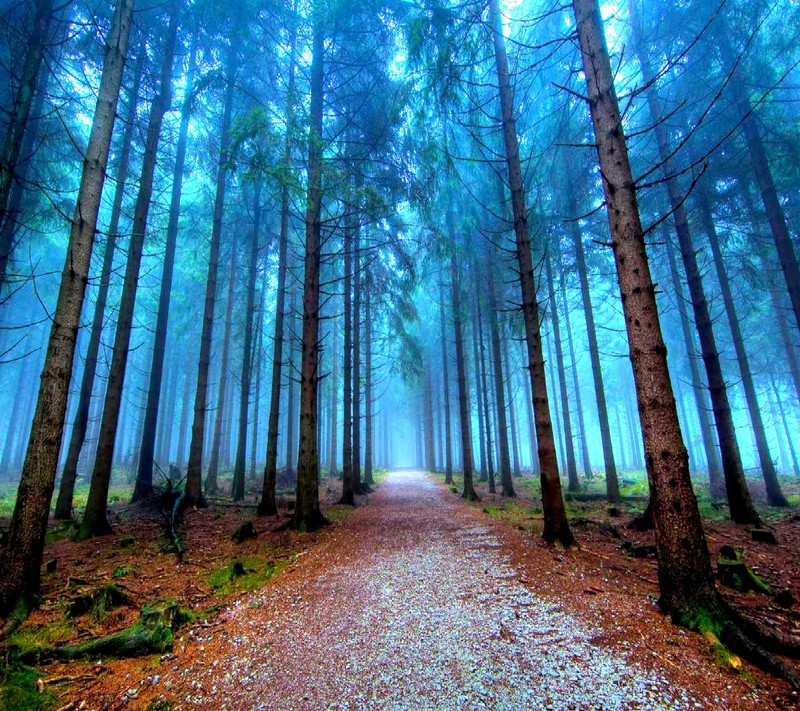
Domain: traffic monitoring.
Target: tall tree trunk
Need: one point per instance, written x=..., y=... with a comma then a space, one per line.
x=184, y=423
x=686, y=579
x=556, y=526
x=369, y=480
x=221, y=411
x=717, y=485
x=486, y=414
x=448, y=437
x=291, y=409
x=307, y=514
x=18, y=116
x=531, y=426
x=266, y=506
x=479, y=392
x=739, y=500
x=512, y=414
x=430, y=464
x=95, y=522
x=610, y=466
x=333, y=425
x=168, y=414
x=502, y=423
x=775, y=496
x=786, y=430
x=258, y=354
x=347, y=390
x=193, y=491
x=469, y=492
x=566, y=419
x=144, y=475
x=357, y=485
x=22, y=558
x=247, y=355
x=587, y=465
x=79, y=426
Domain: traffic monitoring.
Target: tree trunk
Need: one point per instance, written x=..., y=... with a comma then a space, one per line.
x=741, y=505
x=22, y=558
x=95, y=522
x=775, y=496
x=786, y=430
x=479, y=392
x=569, y=445
x=610, y=466
x=531, y=426
x=220, y=411
x=347, y=395
x=249, y=317
x=448, y=437
x=716, y=482
x=469, y=492
x=79, y=426
x=430, y=464
x=307, y=514
x=686, y=579
x=291, y=409
x=556, y=526
x=18, y=116
x=486, y=413
x=334, y=409
x=512, y=414
x=369, y=480
x=258, y=354
x=187, y=384
x=193, y=492
x=502, y=423
x=267, y=507
x=144, y=476
x=357, y=488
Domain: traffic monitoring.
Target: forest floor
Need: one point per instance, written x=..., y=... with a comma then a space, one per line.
x=415, y=599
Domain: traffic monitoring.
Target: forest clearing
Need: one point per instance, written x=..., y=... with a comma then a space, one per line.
x=399, y=353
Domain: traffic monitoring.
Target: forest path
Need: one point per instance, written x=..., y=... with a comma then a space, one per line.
x=412, y=603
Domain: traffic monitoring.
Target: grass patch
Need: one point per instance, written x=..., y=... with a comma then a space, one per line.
x=339, y=513
x=53, y=634
x=522, y=517
x=18, y=691
x=245, y=574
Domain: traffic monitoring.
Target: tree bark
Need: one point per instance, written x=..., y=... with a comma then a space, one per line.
x=144, y=476
x=357, y=486
x=95, y=522
x=220, y=413
x=247, y=355
x=739, y=500
x=556, y=526
x=469, y=492
x=347, y=394
x=566, y=419
x=486, y=410
x=448, y=431
x=609, y=464
x=307, y=514
x=193, y=491
x=369, y=480
x=66, y=488
x=333, y=428
x=686, y=579
x=22, y=558
x=480, y=394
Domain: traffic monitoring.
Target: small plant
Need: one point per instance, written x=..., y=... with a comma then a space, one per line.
x=122, y=570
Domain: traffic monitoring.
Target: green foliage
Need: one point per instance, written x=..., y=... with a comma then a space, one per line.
x=122, y=570
x=19, y=692
x=245, y=574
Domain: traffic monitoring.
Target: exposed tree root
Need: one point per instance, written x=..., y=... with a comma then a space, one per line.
x=19, y=613
x=728, y=631
x=152, y=633
x=643, y=522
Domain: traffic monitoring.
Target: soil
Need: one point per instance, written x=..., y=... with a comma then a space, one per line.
x=415, y=599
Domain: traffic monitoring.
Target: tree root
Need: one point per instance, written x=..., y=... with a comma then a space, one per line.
x=152, y=633
x=728, y=631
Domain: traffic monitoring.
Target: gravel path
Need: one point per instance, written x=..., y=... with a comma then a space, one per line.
x=412, y=604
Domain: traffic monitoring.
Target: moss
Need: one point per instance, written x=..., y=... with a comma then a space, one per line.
x=521, y=517
x=245, y=574
x=122, y=570
x=61, y=532
x=18, y=690
x=29, y=639
x=337, y=514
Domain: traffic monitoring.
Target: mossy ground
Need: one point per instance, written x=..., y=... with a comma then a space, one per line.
x=18, y=690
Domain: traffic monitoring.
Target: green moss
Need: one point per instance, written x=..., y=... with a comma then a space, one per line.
x=57, y=632
x=521, y=517
x=337, y=514
x=122, y=570
x=61, y=532
x=18, y=691
x=245, y=574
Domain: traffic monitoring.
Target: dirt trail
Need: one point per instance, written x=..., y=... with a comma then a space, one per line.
x=413, y=603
